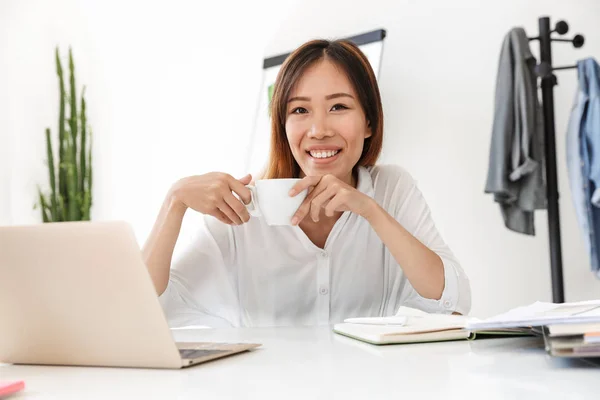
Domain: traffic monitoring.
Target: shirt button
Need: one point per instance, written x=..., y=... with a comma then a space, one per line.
x=323, y=254
x=447, y=304
x=323, y=291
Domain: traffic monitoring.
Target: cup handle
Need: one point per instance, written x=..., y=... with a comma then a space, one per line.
x=252, y=207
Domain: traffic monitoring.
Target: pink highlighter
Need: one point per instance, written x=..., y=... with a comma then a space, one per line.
x=7, y=388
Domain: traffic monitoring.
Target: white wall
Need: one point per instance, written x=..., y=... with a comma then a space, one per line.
x=5, y=137
x=172, y=90
x=437, y=81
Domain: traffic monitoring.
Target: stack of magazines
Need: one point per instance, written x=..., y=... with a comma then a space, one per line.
x=573, y=340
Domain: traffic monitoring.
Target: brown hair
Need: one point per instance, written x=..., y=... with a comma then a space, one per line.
x=355, y=64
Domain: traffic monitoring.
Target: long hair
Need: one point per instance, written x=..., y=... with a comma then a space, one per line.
x=354, y=63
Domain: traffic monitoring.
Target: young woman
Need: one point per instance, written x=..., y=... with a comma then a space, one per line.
x=363, y=242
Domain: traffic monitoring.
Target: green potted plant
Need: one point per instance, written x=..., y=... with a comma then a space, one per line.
x=70, y=196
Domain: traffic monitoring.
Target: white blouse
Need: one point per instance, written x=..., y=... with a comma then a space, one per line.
x=260, y=275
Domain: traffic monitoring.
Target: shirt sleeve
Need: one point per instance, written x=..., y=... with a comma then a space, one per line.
x=202, y=288
x=413, y=213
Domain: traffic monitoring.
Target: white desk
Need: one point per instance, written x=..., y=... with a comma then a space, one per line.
x=314, y=363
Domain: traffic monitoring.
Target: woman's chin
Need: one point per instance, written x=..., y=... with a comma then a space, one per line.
x=320, y=170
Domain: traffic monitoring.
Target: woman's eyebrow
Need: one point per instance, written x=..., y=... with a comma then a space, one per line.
x=336, y=95
x=299, y=98
x=328, y=97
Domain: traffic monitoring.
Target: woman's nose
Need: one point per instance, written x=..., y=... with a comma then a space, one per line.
x=319, y=129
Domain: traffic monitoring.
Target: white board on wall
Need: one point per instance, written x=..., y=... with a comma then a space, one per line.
x=370, y=43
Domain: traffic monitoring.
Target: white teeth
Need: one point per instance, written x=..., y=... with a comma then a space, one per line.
x=323, y=153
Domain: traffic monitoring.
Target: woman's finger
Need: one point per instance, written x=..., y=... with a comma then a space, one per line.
x=319, y=202
x=218, y=214
x=305, y=207
x=237, y=206
x=305, y=183
x=335, y=204
x=239, y=187
x=228, y=211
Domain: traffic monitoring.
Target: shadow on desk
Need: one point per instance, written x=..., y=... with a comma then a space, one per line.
x=534, y=346
x=457, y=347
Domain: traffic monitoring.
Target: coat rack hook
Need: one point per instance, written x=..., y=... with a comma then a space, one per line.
x=561, y=27
x=578, y=41
x=564, y=67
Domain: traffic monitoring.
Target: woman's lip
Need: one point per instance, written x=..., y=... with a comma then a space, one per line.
x=323, y=147
x=326, y=160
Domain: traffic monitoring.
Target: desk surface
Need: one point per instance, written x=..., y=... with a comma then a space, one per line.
x=314, y=363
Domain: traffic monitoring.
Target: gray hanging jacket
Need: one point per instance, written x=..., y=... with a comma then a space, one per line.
x=516, y=161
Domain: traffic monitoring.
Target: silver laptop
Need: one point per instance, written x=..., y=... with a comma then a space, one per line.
x=78, y=293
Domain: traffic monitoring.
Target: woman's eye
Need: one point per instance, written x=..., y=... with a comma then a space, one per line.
x=299, y=110
x=339, y=107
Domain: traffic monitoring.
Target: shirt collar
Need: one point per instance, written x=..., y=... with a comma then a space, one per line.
x=365, y=182
x=589, y=76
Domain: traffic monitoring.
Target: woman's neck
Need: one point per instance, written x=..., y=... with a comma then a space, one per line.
x=318, y=232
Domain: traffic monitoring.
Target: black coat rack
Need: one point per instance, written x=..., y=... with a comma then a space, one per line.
x=545, y=71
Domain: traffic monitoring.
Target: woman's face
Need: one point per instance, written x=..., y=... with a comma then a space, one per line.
x=325, y=124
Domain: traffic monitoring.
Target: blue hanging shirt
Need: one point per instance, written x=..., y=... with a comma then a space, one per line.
x=583, y=157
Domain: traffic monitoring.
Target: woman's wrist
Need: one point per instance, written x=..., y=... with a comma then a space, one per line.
x=173, y=201
x=371, y=210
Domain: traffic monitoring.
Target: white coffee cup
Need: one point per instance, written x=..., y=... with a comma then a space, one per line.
x=271, y=200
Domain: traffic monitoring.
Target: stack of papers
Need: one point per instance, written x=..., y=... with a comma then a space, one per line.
x=542, y=314
x=573, y=340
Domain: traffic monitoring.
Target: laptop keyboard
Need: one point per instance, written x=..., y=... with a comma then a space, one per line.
x=196, y=353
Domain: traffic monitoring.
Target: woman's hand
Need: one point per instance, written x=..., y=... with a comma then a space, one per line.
x=332, y=195
x=212, y=194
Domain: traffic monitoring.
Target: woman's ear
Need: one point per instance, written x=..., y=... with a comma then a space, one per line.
x=369, y=131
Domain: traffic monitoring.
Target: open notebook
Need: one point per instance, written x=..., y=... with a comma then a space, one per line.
x=415, y=326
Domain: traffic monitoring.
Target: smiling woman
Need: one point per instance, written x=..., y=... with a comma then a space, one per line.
x=362, y=242
x=325, y=105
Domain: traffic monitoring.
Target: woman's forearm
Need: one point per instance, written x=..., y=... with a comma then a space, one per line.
x=158, y=249
x=423, y=268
